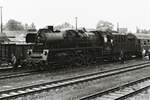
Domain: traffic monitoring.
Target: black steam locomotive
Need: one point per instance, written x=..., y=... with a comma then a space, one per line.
x=79, y=47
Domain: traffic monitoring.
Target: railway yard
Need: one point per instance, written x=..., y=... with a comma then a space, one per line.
x=74, y=50
x=113, y=81
x=75, y=65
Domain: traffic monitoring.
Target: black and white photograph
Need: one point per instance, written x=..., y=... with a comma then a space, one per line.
x=74, y=49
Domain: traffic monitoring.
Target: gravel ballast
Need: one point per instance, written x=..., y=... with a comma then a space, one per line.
x=71, y=92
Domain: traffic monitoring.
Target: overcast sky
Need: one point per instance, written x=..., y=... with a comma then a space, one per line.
x=129, y=13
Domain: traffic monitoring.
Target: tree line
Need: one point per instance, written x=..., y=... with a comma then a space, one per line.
x=13, y=25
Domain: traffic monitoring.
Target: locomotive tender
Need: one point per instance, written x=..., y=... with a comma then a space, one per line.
x=79, y=47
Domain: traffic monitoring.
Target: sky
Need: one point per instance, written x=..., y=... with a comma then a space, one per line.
x=128, y=13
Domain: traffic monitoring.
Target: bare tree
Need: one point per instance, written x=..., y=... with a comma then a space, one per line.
x=26, y=26
x=63, y=26
x=33, y=26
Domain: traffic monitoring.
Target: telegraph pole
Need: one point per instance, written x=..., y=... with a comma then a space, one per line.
x=1, y=20
x=76, y=18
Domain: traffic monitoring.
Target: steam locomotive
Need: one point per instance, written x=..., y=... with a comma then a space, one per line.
x=79, y=47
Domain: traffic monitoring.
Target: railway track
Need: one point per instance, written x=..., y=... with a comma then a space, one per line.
x=8, y=68
x=121, y=92
x=26, y=90
x=18, y=74
x=12, y=74
x=32, y=72
x=2, y=69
